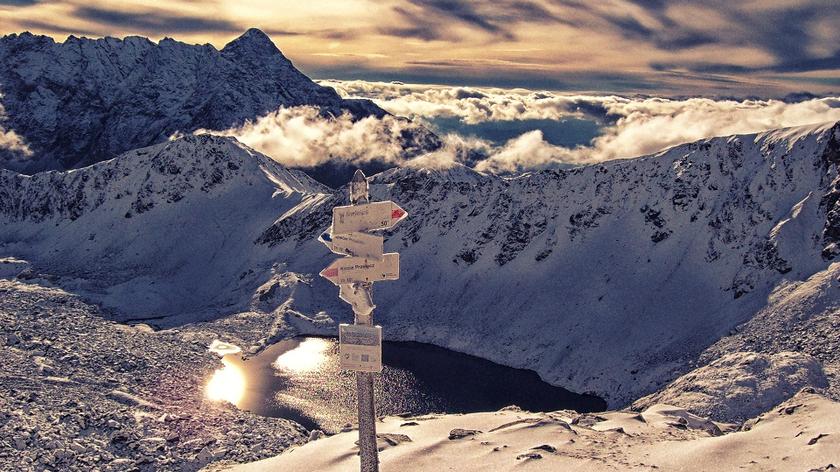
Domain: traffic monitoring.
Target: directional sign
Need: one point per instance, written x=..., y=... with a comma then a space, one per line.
x=354, y=244
x=350, y=270
x=367, y=217
x=360, y=347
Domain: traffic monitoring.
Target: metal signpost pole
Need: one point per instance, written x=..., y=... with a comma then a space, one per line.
x=368, y=452
x=360, y=345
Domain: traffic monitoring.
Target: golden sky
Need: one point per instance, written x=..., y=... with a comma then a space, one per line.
x=763, y=47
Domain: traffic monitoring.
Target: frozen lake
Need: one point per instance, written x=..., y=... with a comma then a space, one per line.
x=299, y=379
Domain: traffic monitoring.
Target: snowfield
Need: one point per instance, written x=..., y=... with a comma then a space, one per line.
x=802, y=434
x=740, y=385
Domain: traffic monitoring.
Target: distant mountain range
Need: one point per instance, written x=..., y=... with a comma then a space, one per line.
x=86, y=100
x=612, y=278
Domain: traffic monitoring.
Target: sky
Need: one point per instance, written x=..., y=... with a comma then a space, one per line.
x=721, y=48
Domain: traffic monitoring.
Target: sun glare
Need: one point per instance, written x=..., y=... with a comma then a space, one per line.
x=227, y=384
x=306, y=357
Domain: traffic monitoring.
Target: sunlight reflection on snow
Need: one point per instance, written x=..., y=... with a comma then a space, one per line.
x=306, y=357
x=227, y=384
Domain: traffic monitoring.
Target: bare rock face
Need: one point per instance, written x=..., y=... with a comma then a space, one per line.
x=84, y=100
x=740, y=385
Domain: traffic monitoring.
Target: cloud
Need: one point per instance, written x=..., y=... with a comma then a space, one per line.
x=652, y=124
x=631, y=126
x=154, y=20
x=529, y=151
x=465, y=12
x=478, y=104
x=416, y=26
x=11, y=141
x=18, y=3
x=302, y=137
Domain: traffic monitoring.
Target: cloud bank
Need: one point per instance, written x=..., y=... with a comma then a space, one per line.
x=629, y=126
x=302, y=137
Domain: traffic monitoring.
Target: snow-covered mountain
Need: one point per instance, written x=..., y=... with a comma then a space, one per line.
x=612, y=278
x=166, y=229
x=85, y=100
x=650, y=259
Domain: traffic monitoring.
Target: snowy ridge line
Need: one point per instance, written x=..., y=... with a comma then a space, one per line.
x=170, y=171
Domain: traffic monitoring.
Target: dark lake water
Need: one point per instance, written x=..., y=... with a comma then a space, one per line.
x=299, y=379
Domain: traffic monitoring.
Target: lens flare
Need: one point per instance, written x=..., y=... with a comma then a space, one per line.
x=227, y=384
x=306, y=357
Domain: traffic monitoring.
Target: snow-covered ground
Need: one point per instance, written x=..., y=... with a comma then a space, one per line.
x=802, y=434
x=801, y=316
x=80, y=393
x=740, y=385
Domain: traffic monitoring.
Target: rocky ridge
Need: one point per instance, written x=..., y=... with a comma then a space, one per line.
x=87, y=100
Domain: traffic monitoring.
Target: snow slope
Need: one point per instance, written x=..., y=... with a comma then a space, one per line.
x=161, y=231
x=802, y=316
x=803, y=434
x=85, y=100
x=609, y=278
x=740, y=385
x=612, y=278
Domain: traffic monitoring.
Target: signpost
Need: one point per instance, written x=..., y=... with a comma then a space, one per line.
x=360, y=344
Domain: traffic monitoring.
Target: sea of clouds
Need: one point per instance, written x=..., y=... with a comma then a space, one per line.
x=629, y=126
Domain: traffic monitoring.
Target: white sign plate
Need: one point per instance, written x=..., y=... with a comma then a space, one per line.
x=367, y=217
x=348, y=270
x=360, y=347
x=353, y=244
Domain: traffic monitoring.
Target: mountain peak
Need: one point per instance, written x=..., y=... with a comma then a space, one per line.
x=253, y=39
x=153, y=90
